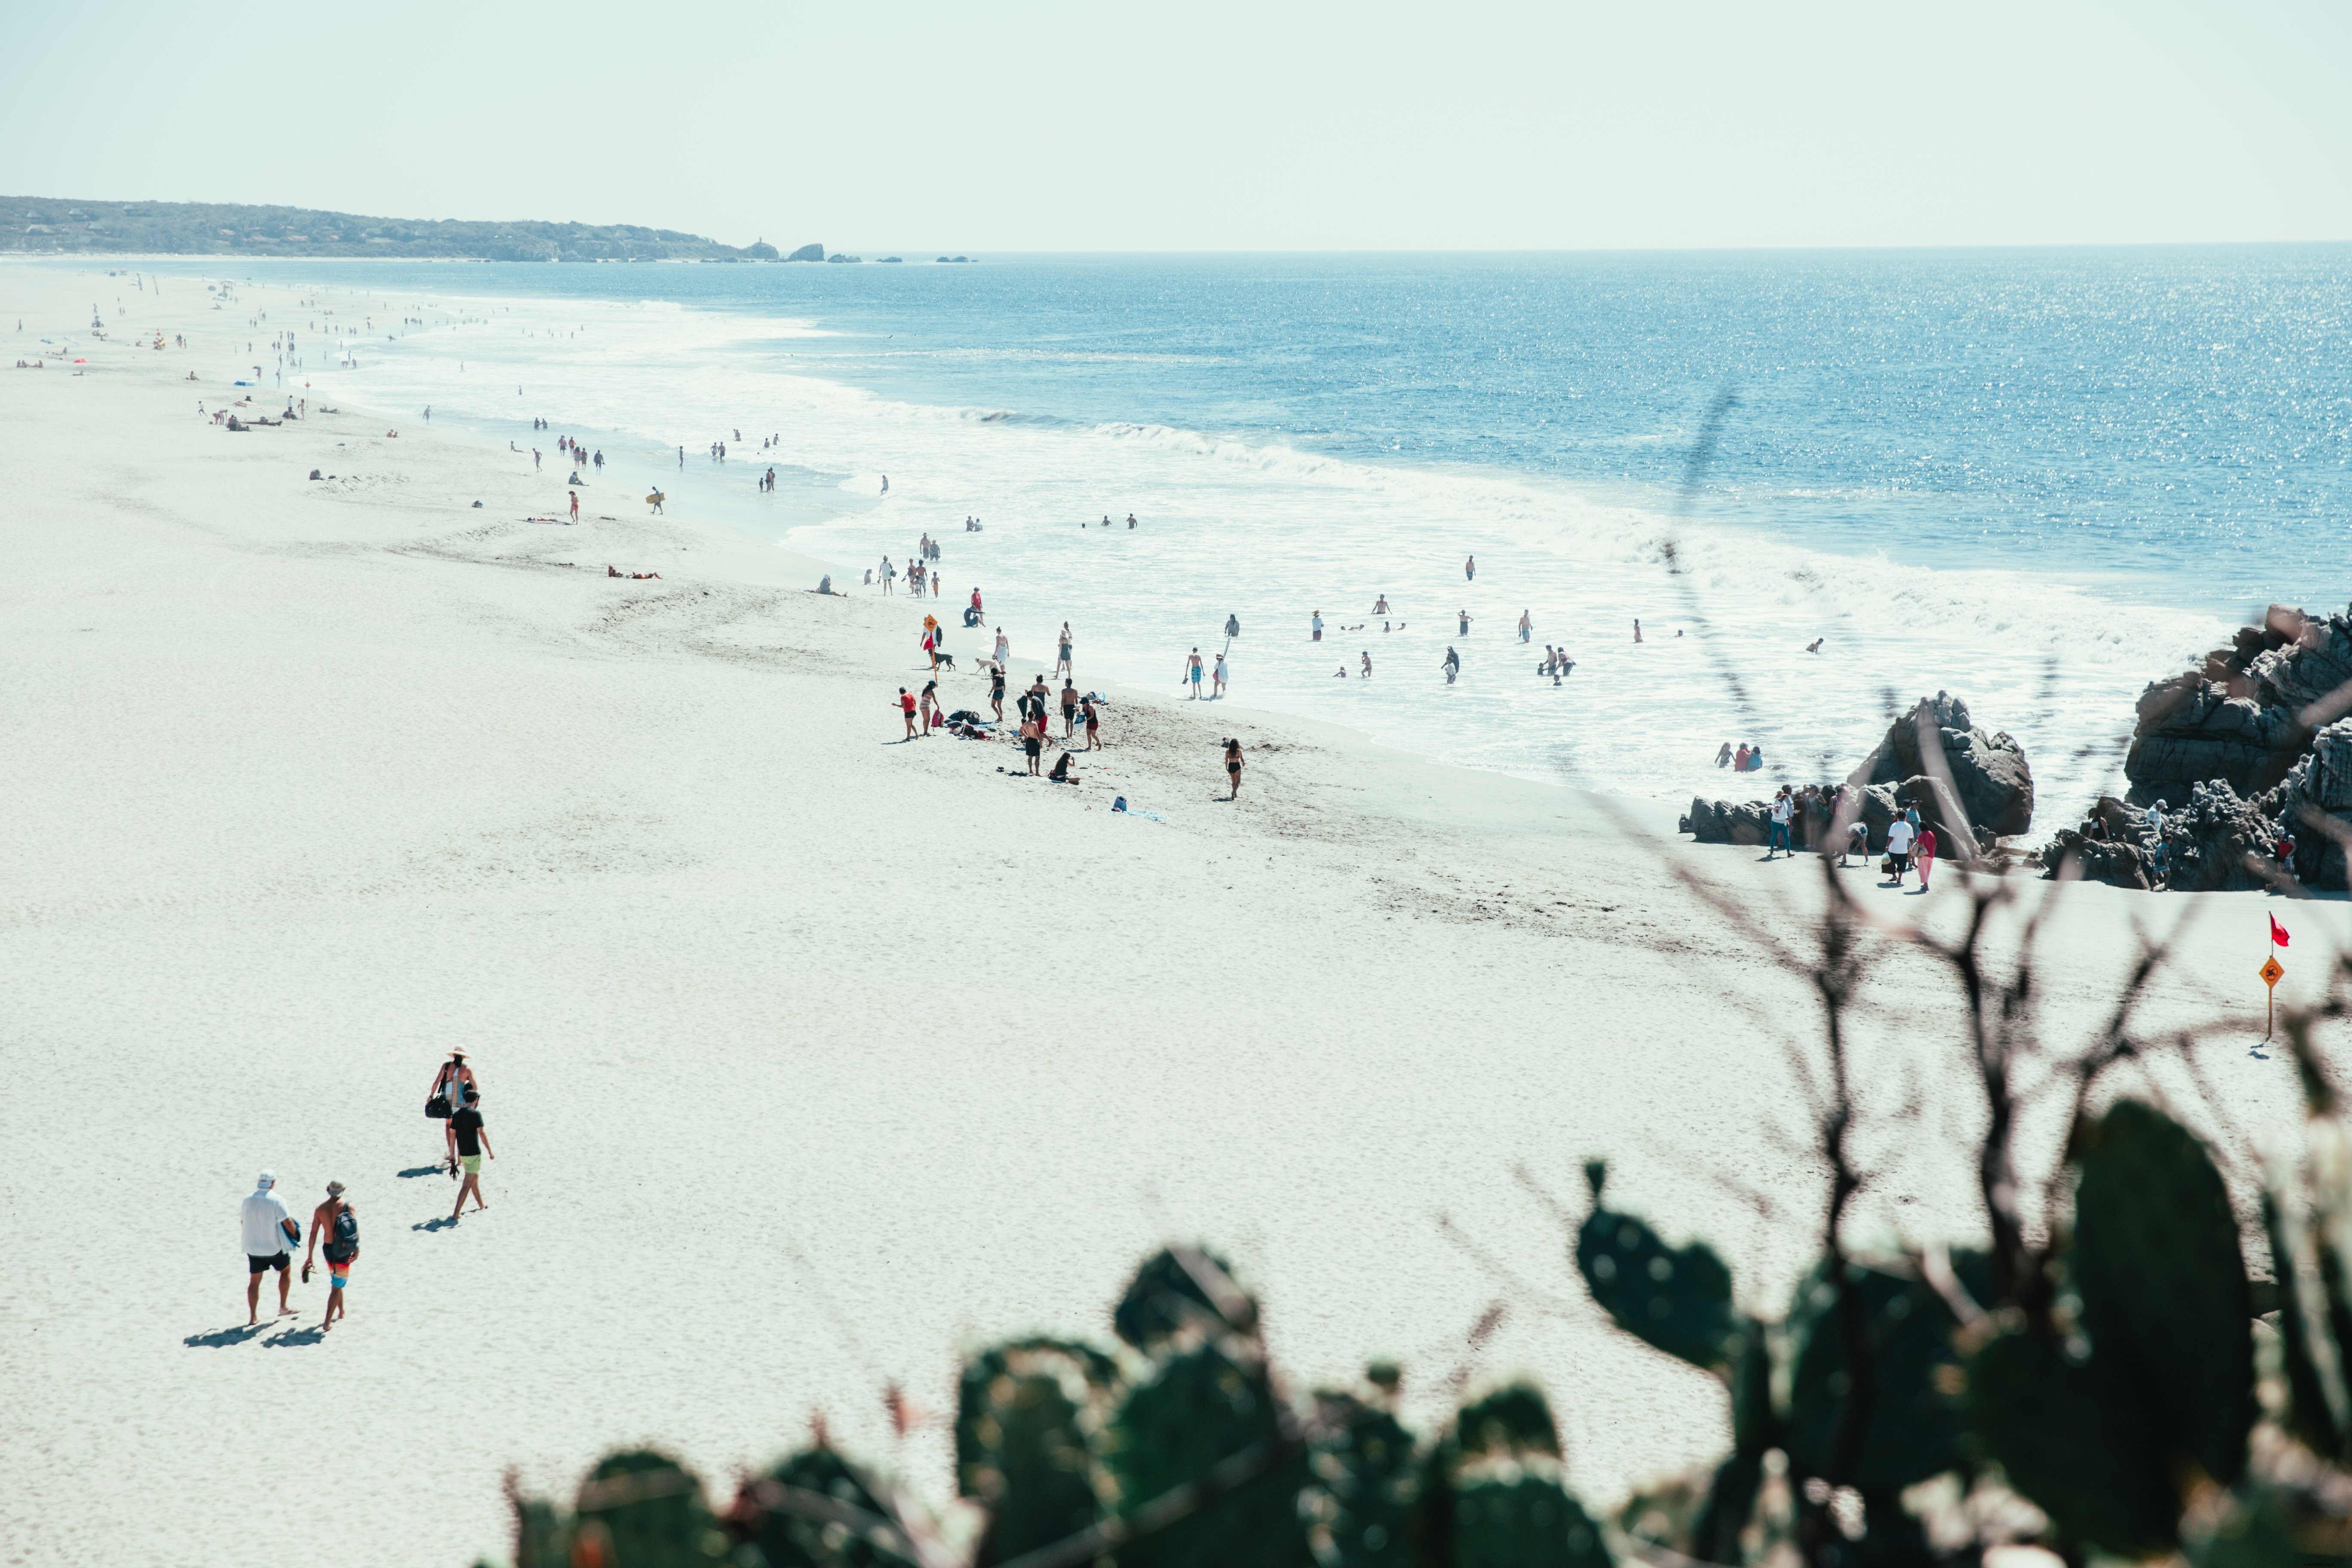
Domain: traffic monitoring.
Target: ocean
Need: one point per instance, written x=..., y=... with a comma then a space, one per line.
x=2036, y=479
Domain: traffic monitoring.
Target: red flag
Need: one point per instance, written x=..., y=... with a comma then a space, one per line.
x=2278, y=931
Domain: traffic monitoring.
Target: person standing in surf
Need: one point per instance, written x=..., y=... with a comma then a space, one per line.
x=1470, y=570
x=1315, y=625
x=1527, y=628
x=1637, y=628
x=1061, y=663
x=1218, y=677
x=1453, y=665
x=1192, y=673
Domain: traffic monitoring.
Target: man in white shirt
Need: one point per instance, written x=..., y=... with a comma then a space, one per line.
x=1898, y=847
x=269, y=1231
x=1782, y=809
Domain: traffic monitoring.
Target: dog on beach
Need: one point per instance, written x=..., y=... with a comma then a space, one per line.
x=947, y=660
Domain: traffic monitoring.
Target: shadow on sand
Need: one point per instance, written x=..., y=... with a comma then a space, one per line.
x=309, y=1336
x=423, y=1170
x=443, y=1223
x=220, y=1339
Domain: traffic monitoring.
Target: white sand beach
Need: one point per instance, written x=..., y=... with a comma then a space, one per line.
x=809, y=1057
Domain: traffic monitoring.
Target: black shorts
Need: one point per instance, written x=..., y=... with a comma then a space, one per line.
x=1031, y=747
x=276, y=1260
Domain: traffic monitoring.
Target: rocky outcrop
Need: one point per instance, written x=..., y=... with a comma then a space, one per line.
x=2248, y=715
x=807, y=253
x=2314, y=803
x=2216, y=842
x=1989, y=772
x=1727, y=822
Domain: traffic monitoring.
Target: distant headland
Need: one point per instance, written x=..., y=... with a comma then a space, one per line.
x=43, y=225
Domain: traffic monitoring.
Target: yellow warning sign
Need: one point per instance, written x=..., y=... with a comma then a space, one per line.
x=2271, y=972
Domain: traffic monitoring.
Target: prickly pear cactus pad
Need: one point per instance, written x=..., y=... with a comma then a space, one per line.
x=2071, y=1445
x=644, y=1506
x=1165, y=1299
x=1363, y=1483
x=1507, y=1515
x=1027, y=1419
x=2163, y=1283
x=1679, y=1299
x=1199, y=1407
x=789, y=1540
x=1911, y=1429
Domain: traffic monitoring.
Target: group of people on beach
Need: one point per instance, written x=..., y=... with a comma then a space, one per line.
x=269, y=1232
x=1803, y=817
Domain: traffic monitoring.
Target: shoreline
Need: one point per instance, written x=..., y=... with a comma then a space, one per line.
x=1607, y=737
x=807, y=1056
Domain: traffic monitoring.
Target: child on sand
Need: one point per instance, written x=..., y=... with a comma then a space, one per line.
x=907, y=710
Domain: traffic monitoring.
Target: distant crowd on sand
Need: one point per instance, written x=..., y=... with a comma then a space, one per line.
x=270, y=1232
x=1806, y=816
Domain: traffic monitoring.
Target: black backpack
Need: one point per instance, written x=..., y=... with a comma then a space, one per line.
x=346, y=1232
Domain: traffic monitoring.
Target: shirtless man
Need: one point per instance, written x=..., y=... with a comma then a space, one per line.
x=1381, y=606
x=343, y=1250
x=1069, y=708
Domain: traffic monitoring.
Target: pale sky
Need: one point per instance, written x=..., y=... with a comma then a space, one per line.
x=1023, y=126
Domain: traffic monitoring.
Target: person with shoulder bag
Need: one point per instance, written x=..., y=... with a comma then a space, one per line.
x=449, y=1086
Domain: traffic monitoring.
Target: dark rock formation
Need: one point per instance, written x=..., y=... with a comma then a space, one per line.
x=1989, y=772
x=2248, y=714
x=2314, y=803
x=2216, y=842
x=807, y=253
x=1727, y=822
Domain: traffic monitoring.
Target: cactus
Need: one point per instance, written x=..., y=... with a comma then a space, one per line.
x=1912, y=1430
x=1198, y=1407
x=1514, y=1422
x=2067, y=1441
x=1027, y=1419
x=1166, y=1298
x=644, y=1509
x=1359, y=1504
x=1677, y=1299
x=788, y=1539
x=2163, y=1283
x=1507, y=1516
x=1504, y=1504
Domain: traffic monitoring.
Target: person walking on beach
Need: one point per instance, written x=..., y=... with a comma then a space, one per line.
x=473, y=1142
x=1218, y=678
x=1924, y=847
x=996, y=689
x=1093, y=716
x=907, y=710
x=1061, y=663
x=931, y=641
x=1003, y=654
x=1527, y=628
x=534, y=459
x=1782, y=808
x=1069, y=708
x=1192, y=673
x=269, y=1232
x=1317, y=625
x=334, y=1220
x=1233, y=767
x=1453, y=665
x=451, y=1082
x=929, y=703
x=1899, y=848
x=654, y=501
x=575, y=505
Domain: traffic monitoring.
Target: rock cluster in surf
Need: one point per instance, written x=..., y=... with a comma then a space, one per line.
x=1933, y=758
x=2250, y=748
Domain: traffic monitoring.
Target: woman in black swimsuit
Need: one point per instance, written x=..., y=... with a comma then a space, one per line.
x=1233, y=767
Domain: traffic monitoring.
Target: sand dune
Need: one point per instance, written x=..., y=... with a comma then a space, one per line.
x=808, y=1056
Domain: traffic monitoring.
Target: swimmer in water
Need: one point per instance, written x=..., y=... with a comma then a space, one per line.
x=1367, y=664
